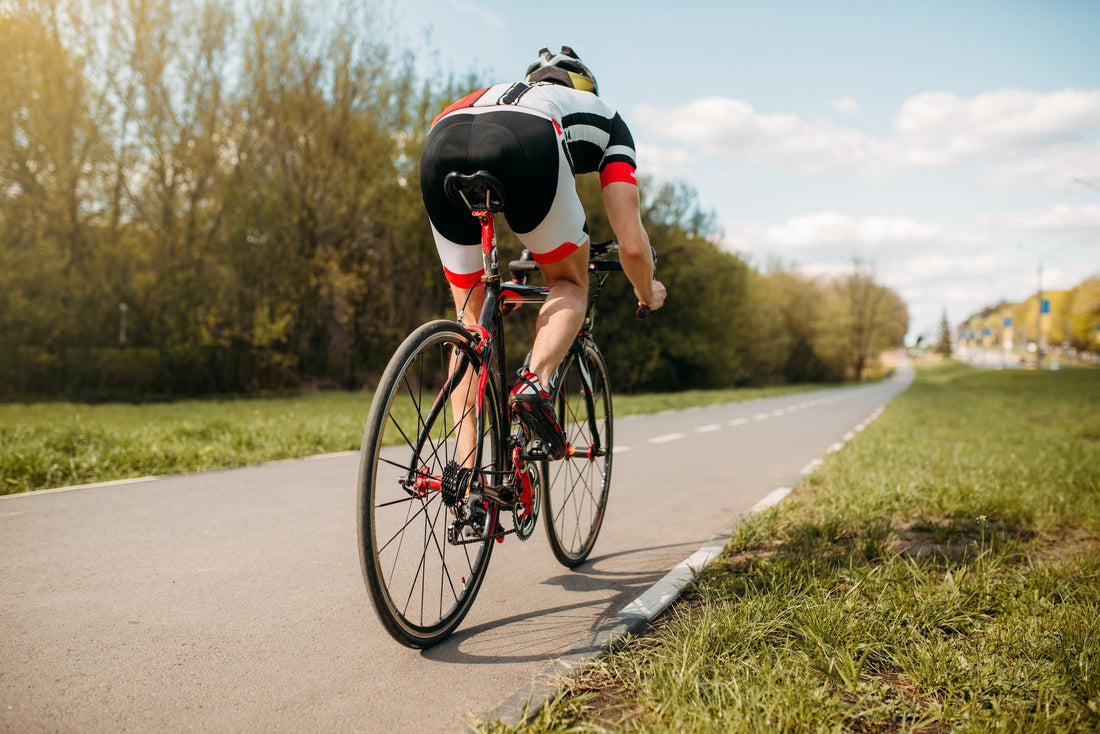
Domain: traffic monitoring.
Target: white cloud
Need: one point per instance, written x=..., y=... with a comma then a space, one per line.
x=828, y=229
x=1061, y=220
x=1007, y=139
x=845, y=105
x=664, y=163
x=930, y=267
x=937, y=128
x=1058, y=168
x=1017, y=131
x=732, y=128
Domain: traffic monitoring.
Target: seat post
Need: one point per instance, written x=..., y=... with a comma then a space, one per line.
x=488, y=243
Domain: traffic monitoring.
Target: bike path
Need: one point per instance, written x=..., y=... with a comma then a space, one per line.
x=233, y=600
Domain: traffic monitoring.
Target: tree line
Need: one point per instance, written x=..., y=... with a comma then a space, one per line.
x=202, y=196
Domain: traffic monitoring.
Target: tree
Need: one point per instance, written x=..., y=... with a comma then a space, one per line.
x=874, y=317
x=944, y=344
x=1084, y=312
x=700, y=338
x=803, y=330
x=244, y=180
x=55, y=270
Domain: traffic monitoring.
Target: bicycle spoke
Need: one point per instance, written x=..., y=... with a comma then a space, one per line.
x=419, y=580
x=577, y=490
x=400, y=532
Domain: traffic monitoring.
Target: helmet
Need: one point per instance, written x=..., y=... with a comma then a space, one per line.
x=562, y=68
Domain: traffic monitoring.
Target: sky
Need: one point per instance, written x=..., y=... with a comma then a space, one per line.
x=953, y=147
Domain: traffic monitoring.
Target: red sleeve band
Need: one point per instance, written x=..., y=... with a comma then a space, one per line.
x=618, y=171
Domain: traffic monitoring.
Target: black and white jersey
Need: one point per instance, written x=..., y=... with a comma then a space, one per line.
x=596, y=137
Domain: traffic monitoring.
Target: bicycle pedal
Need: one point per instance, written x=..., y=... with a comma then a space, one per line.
x=536, y=450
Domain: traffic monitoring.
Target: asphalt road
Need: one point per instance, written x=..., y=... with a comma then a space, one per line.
x=233, y=600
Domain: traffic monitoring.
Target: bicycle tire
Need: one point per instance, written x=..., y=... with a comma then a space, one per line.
x=577, y=488
x=421, y=584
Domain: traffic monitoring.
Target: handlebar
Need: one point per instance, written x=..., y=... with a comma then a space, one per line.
x=599, y=260
x=603, y=249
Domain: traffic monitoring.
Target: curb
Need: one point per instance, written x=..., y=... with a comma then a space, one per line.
x=523, y=705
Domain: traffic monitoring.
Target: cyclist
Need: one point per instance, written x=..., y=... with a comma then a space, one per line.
x=535, y=136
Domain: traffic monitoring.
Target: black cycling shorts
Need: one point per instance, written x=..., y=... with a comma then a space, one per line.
x=525, y=151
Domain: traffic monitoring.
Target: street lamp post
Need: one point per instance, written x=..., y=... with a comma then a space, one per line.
x=1039, y=319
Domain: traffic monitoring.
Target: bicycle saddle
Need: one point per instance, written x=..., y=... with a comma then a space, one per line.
x=481, y=190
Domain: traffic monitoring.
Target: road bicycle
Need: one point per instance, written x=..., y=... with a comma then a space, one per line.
x=446, y=472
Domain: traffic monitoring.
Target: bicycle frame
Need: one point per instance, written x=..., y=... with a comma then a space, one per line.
x=489, y=331
x=500, y=298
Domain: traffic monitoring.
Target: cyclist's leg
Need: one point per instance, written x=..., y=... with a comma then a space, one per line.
x=559, y=244
x=563, y=313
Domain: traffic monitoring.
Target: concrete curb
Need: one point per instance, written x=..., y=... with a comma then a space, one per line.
x=525, y=704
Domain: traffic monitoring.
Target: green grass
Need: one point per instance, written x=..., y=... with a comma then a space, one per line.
x=941, y=573
x=58, y=444
x=45, y=445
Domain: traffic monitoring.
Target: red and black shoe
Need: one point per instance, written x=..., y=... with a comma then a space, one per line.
x=530, y=402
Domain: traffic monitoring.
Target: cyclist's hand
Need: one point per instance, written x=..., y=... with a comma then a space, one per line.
x=656, y=300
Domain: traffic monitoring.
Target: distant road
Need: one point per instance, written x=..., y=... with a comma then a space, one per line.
x=233, y=600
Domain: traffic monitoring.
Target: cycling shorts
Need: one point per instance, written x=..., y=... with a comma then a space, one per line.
x=525, y=150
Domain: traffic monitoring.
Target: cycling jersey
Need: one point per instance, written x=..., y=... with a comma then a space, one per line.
x=534, y=138
x=596, y=137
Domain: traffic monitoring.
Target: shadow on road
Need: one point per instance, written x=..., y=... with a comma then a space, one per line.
x=605, y=585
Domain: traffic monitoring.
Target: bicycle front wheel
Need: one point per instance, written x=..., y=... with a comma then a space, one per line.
x=423, y=543
x=576, y=493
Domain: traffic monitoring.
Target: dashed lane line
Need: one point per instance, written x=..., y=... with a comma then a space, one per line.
x=711, y=427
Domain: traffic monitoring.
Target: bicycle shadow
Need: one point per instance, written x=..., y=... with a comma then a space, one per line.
x=566, y=630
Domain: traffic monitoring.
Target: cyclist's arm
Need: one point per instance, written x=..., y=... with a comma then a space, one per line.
x=624, y=213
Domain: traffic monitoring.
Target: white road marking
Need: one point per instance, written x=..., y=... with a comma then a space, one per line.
x=708, y=429
x=55, y=490
x=666, y=438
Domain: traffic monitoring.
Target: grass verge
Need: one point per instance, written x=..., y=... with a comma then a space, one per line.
x=45, y=445
x=942, y=573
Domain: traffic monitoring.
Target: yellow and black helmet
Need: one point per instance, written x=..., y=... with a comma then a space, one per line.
x=562, y=68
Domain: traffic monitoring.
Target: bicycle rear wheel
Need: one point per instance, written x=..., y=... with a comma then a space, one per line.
x=422, y=547
x=576, y=493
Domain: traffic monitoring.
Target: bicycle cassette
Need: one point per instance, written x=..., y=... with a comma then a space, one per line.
x=454, y=483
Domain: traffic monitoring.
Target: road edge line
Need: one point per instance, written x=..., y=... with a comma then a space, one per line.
x=159, y=477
